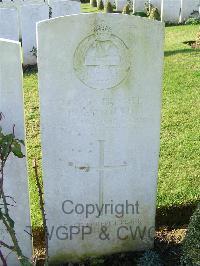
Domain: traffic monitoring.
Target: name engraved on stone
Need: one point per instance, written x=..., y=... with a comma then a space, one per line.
x=101, y=60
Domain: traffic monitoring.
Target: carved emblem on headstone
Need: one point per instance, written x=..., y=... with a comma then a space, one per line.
x=101, y=60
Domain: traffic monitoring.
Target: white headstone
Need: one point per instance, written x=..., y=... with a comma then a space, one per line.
x=120, y=4
x=16, y=180
x=138, y=5
x=8, y=1
x=171, y=11
x=11, y=4
x=14, y=5
x=156, y=3
x=30, y=15
x=111, y=1
x=34, y=2
x=187, y=8
x=100, y=121
x=9, y=24
x=65, y=7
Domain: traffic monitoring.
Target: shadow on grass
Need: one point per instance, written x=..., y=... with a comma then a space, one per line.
x=30, y=69
x=181, y=51
x=175, y=216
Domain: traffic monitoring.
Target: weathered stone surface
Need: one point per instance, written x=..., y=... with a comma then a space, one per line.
x=188, y=7
x=111, y=1
x=15, y=179
x=120, y=4
x=138, y=5
x=64, y=7
x=100, y=121
x=14, y=5
x=9, y=24
x=30, y=15
x=171, y=11
x=156, y=3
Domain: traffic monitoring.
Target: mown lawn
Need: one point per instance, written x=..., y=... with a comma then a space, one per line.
x=179, y=171
x=179, y=176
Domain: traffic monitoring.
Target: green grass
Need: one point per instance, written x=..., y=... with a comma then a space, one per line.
x=86, y=8
x=180, y=129
x=179, y=175
x=33, y=139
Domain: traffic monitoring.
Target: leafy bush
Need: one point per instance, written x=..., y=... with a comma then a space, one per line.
x=152, y=11
x=191, y=244
x=150, y=258
x=126, y=9
x=192, y=21
x=108, y=7
x=154, y=14
x=100, y=5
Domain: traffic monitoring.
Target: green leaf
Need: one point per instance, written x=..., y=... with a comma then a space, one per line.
x=5, y=149
x=21, y=141
x=9, y=138
x=16, y=149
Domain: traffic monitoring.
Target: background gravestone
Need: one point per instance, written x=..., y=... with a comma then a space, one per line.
x=100, y=102
x=14, y=5
x=156, y=3
x=34, y=1
x=30, y=15
x=16, y=180
x=171, y=10
x=138, y=5
x=17, y=4
x=188, y=6
x=111, y=1
x=62, y=8
x=120, y=4
x=9, y=24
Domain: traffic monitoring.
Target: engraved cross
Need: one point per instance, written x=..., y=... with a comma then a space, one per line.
x=101, y=169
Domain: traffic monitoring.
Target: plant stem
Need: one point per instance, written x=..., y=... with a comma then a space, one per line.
x=3, y=259
x=7, y=222
x=43, y=212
